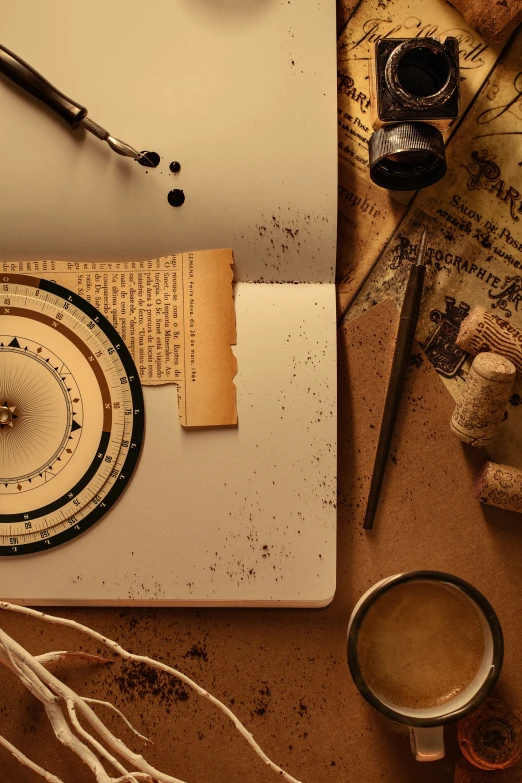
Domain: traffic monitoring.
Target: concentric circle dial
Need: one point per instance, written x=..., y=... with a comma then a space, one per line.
x=71, y=415
x=43, y=412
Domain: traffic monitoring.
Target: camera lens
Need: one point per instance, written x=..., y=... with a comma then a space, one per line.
x=420, y=74
x=407, y=156
x=415, y=95
x=423, y=72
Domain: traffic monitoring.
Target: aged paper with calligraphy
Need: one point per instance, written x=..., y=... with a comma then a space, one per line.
x=368, y=215
x=474, y=221
x=175, y=314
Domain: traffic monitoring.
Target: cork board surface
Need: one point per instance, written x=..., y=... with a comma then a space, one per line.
x=284, y=672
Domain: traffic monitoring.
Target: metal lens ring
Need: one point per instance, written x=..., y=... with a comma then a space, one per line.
x=407, y=156
x=440, y=63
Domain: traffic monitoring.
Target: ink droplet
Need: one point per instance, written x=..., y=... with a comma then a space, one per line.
x=151, y=161
x=176, y=198
x=175, y=166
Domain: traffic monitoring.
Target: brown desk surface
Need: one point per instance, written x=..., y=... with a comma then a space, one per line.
x=284, y=672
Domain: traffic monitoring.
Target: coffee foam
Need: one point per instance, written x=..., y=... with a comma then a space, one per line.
x=420, y=644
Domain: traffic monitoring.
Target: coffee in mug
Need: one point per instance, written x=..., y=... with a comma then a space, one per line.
x=424, y=648
x=420, y=644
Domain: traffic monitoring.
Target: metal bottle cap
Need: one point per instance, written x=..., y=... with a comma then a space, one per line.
x=407, y=156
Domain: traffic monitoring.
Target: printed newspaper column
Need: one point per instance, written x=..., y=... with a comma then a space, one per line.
x=208, y=393
x=368, y=215
x=176, y=316
x=474, y=254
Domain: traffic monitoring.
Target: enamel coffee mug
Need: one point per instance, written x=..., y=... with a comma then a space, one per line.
x=425, y=648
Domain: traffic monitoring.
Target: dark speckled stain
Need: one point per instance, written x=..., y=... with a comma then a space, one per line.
x=262, y=702
x=139, y=681
x=197, y=652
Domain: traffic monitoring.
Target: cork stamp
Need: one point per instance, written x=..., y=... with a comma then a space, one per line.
x=491, y=737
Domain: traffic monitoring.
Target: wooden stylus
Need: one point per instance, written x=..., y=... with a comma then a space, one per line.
x=401, y=360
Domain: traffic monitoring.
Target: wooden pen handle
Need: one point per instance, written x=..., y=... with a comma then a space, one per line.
x=401, y=359
x=24, y=76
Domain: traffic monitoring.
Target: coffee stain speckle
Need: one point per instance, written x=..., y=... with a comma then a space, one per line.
x=197, y=652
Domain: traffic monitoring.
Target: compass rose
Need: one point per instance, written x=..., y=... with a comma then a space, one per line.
x=7, y=415
x=71, y=415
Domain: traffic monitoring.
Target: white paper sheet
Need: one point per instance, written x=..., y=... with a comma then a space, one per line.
x=243, y=95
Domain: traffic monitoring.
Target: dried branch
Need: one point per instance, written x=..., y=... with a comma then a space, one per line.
x=42, y=684
x=62, y=655
x=94, y=742
x=19, y=756
x=66, y=737
x=50, y=691
x=122, y=716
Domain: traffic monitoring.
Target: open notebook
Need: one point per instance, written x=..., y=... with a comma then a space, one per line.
x=243, y=95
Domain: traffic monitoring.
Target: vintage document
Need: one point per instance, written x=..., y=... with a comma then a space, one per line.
x=474, y=221
x=368, y=215
x=176, y=316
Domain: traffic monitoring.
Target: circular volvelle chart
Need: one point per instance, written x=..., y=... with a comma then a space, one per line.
x=71, y=415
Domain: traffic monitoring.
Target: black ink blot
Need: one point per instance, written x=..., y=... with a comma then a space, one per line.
x=151, y=161
x=175, y=166
x=176, y=198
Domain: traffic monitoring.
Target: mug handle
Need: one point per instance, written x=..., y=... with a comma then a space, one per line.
x=427, y=743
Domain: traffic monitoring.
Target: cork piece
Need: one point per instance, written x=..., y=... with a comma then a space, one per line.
x=467, y=773
x=483, y=401
x=483, y=330
x=499, y=485
x=491, y=737
x=493, y=21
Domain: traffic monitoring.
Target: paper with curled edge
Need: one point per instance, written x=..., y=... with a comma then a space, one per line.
x=176, y=316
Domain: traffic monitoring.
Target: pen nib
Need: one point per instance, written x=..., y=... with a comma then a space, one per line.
x=148, y=161
x=122, y=148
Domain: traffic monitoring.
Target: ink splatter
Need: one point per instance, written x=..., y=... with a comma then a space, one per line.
x=151, y=161
x=175, y=166
x=176, y=198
